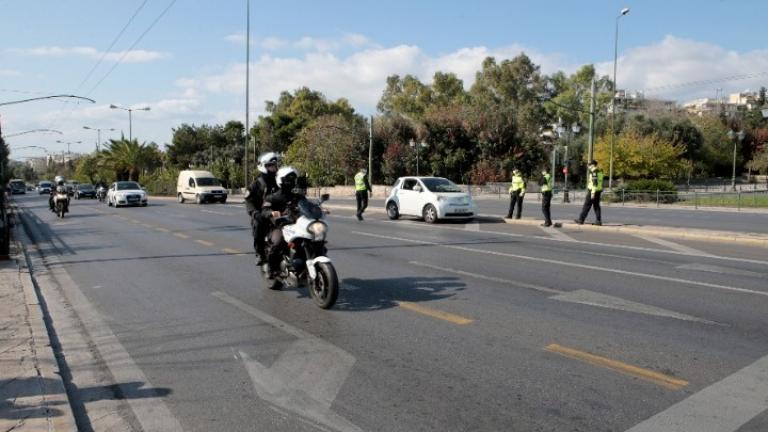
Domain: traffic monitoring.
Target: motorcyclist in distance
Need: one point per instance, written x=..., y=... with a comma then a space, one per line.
x=60, y=188
x=274, y=206
x=264, y=185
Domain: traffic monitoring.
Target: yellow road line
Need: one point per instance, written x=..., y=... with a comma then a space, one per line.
x=162, y=229
x=434, y=313
x=180, y=235
x=204, y=242
x=624, y=368
x=232, y=251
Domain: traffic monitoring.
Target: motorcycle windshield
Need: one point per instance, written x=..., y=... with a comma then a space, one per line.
x=309, y=209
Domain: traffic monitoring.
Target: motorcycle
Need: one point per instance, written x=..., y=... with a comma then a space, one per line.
x=101, y=193
x=303, y=256
x=61, y=203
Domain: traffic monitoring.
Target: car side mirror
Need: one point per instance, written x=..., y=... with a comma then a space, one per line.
x=325, y=197
x=417, y=188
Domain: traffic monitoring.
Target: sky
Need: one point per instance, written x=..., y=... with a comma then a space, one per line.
x=185, y=59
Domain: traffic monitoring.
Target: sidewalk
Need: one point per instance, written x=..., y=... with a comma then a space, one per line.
x=32, y=395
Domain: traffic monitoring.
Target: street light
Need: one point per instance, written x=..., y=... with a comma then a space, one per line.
x=98, y=135
x=68, y=144
x=613, y=101
x=562, y=130
x=130, y=118
x=413, y=143
x=737, y=138
x=33, y=131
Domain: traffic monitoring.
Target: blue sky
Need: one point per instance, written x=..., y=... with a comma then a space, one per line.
x=190, y=66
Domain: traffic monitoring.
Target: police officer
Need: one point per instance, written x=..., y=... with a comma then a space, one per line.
x=362, y=189
x=516, y=194
x=264, y=185
x=594, y=190
x=545, y=182
x=273, y=207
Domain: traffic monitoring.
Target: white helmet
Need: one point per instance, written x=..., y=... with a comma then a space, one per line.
x=59, y=180
x=266, y=159
x=286, y=177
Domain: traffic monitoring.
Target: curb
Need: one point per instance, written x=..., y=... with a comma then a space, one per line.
x=54, y=391
x=750, y=239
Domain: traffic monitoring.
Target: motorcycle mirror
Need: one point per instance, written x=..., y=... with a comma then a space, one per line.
x=325, y=197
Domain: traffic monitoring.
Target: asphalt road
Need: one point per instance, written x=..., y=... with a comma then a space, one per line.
x=721, y=219
x=452, y=327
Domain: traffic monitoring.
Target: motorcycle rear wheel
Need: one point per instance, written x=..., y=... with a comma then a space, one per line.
x=324, y=290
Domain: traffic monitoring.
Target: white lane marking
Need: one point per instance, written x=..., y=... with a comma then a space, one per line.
x=150, y=411
x=610, y=302
x=306, y=378
x=422, y=226
x=722, y=407
x=488, y=278
x=569, y=264
x=672, y=245
x=557, y=234
x=217, y=213
x=584, y=297
x=721, y=270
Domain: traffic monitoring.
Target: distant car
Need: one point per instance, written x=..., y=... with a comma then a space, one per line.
x=430, y=198
x=85, y=191
x=126, y=193
x=17, y=186
x=44, y=187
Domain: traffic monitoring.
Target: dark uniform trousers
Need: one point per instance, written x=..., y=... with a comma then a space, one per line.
x=515, y=200
x=259, y=229
x=546, y=202
x=362, y=201
x=591, y=202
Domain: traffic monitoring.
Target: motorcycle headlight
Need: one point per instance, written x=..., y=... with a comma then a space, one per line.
x=318, y=230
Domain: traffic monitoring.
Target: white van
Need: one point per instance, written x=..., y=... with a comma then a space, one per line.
x=200, y=186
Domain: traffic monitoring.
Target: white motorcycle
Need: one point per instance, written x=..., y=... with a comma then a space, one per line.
x=303, y=256
x=61, y=202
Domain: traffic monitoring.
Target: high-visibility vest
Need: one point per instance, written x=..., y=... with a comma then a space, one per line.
x=360, y=182
x=595, y=181
x=547, y=185
x=517, y=184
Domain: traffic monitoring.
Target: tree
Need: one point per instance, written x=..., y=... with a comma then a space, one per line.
x=759, y=162
x=641, y=156
x=129, y=158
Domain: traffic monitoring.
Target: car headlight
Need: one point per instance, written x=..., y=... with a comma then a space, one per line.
x=318, y=230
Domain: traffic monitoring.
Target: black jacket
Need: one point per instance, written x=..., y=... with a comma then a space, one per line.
x=278, y=201
x=263, y=186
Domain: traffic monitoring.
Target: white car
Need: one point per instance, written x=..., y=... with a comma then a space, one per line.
x=430, y=198
x=126, y=193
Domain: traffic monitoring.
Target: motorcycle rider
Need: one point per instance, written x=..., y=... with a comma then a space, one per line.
x=274, y=206
x=58, y=189
x=264, y=185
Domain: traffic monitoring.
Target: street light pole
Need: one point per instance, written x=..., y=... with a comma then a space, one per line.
x=130, y=118
x=613, y=100
x=98, y=135
x=736, y=137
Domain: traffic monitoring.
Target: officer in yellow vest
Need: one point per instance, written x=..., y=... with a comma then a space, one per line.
x=546, y=184
x=362, y=189
x=516, y=194
x=594, y=190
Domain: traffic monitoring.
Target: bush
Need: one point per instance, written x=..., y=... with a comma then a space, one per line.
x=645, y=190
x=161, y=183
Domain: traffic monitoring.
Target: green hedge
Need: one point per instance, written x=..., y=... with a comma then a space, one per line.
x=646, y=190
x=650, y=185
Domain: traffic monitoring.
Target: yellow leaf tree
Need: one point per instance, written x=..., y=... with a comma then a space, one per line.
x=641, y=156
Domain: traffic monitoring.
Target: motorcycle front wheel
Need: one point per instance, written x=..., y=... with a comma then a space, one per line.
x=324, y=290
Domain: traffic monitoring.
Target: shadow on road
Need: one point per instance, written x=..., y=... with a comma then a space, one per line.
x=360, y=295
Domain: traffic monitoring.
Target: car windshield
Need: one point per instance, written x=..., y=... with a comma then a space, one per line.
x=440, y=185
x=208, y=181
x=127, y=185
x=18, y=184
x=46, y=184
x=85, y=187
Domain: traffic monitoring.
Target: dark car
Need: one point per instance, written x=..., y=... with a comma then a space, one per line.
x=17, y=187
x=85, y=191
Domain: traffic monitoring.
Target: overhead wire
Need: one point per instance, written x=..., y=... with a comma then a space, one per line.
x=111, y=45
x=126, y=52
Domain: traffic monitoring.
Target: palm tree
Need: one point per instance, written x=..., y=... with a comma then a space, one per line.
x=129, y=158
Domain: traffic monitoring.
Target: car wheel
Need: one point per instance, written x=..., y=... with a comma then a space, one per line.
x=143, y=204
x=430, y=214
x=180, y=199
x=223, y=200
x=109, y=202
x=198, y=199
x=392, y=212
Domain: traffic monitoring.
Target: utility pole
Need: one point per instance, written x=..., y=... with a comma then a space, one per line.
x=370, y=152
x=591, y=151
x=247, y=88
